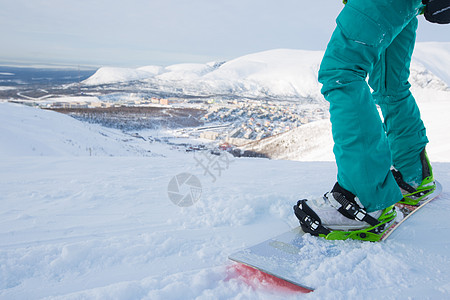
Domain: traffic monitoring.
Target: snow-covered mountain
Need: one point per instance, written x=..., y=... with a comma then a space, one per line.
x=275, y=73
x=435, y=57
x=281, y=73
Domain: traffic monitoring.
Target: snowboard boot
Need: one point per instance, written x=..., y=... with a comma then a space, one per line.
x=339, y=215
x=415, y=195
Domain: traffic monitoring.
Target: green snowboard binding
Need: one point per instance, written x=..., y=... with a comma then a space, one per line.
x=415, y=195
x=338, y=216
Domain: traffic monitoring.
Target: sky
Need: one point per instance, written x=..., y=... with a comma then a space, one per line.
x=162, y=32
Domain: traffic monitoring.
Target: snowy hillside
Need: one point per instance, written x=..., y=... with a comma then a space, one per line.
x=310, y=142
x=281, y=73
x=26, y=131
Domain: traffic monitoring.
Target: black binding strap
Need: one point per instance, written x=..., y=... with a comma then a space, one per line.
x=354, y=210
x=401, y=183
x=349, y=207
x=309, y=220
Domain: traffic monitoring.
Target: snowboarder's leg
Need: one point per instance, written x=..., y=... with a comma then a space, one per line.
x=403, y=125
x=366, y=189
x=361, y=147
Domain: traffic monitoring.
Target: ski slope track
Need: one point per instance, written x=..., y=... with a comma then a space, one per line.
x=85, y=214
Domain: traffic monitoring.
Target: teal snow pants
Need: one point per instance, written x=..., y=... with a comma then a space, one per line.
x=373, y=38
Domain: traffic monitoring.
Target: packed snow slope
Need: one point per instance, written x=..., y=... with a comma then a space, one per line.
x=280, y=73
x=85, y=213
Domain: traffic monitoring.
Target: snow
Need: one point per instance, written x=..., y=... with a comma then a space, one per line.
x=185, y=71
x=27, y=131
x=280, y=72
x=106, y=75
x=85, y=211
x=309, y=142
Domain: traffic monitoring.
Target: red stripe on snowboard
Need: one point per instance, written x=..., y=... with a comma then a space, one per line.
x=257, y=279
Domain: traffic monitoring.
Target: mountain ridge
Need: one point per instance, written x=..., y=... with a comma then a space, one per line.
x=278, y=73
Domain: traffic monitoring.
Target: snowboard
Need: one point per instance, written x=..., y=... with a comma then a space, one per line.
x=291, y=256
